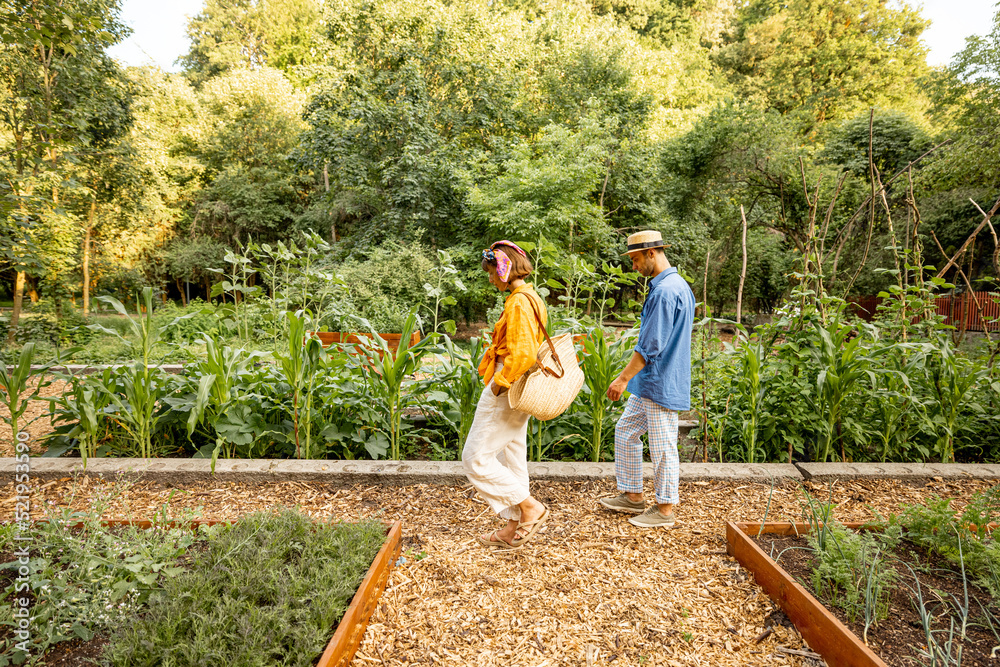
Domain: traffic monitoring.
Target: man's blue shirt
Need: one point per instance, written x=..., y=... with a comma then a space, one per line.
x=665, y=343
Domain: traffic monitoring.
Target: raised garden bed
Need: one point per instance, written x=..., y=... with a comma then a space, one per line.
x=329, y=338
x=161, y=620
x=896, y=640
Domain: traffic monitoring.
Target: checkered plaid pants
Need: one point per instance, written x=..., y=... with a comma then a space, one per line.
x=641, y=416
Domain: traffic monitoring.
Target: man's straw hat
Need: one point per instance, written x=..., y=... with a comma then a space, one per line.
x=644, y=241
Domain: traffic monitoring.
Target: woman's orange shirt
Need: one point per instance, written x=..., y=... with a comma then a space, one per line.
x=516, y=337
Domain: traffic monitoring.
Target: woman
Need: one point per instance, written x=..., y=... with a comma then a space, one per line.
x=496, y=451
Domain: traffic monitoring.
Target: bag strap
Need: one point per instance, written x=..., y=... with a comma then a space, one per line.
x=555, y=355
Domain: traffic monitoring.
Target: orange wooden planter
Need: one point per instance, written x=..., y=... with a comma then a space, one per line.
x=341, y=649
x=329, y=338
x=825, y=634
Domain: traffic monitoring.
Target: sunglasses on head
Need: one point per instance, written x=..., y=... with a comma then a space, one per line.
x=489, y=255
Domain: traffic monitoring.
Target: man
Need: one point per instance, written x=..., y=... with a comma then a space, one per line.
x=658, y=376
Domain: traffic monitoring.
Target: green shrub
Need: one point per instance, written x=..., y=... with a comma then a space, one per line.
x=267, y=591
x=385, y=284
x=201, y=319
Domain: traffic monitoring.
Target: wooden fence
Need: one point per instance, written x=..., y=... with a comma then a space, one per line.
x=955, y=309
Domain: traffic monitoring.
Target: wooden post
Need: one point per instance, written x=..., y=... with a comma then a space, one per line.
x=743, y=271
x=326, y=185
x=86, y=257
x=704, y=285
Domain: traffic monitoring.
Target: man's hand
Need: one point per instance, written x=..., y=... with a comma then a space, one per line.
x=617, y=388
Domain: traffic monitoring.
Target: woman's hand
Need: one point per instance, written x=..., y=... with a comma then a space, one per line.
x=497, y=389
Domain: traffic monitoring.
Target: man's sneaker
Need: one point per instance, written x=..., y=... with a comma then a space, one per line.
x=652, y=518
x=621, y=503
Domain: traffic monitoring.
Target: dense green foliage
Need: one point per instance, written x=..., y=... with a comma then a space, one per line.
x=320, y=165
x=450, y=125
x=265, y=591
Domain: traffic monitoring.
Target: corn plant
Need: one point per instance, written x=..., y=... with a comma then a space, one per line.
x=15, y=383
x=460, y=381
x=302, y=359
x=218, y=398
x=948, y=381
x=602, y=362
x=387, y=374
x=751, y=389
x=842, y=364
x=139, y=389
x=88, y=403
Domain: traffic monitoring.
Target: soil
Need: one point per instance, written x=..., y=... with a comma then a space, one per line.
x=897, y=638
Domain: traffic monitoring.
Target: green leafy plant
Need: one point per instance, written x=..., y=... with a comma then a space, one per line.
x=948, y=381
x=280, y=571
x=89, y=577
x=842, y=363
x=236, y=282
x=142, y=387
x=444, y=277
x=300, y=362
x=602, y=362
x=15, y=383
x=459, y=380
x=218, y=399
x=386, y=371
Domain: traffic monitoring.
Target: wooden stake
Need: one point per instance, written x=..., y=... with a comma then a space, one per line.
x=743, y=271
x=986, y=221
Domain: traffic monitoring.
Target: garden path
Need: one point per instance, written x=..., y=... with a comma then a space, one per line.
x=591, y=590
x=36, y=414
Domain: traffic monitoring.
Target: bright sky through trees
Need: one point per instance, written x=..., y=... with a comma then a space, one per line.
x=158, y=29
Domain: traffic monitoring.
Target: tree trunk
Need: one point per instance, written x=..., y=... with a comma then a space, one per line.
x=18, y=300
x=180, y=289
x=86, y=258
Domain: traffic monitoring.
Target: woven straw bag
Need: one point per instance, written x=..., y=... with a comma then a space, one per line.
x=551, y=385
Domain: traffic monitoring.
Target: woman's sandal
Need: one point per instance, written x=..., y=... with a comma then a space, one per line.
x=532, y=527
x=497, y=543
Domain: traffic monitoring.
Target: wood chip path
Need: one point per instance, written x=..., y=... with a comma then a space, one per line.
x=591, y=590
x=35, y=421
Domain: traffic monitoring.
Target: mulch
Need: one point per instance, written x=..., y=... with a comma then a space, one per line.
x=36, y=417
x=590, y=590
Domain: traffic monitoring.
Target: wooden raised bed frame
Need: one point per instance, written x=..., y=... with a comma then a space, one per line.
x=824, y=633
x=329, y=338
x=351, y=629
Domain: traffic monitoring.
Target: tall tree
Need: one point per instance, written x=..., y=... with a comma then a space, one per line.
x=251, y=120
x=234, y=34
x=53, y=68
x=822, y=60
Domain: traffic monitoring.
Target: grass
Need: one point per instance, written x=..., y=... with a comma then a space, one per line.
x=267, y=591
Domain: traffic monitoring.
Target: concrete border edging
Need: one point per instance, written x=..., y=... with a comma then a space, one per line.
x=400, y=473
x=829, y=472
x=347, y=473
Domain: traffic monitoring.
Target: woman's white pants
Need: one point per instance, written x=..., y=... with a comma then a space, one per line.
x=496, y=454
